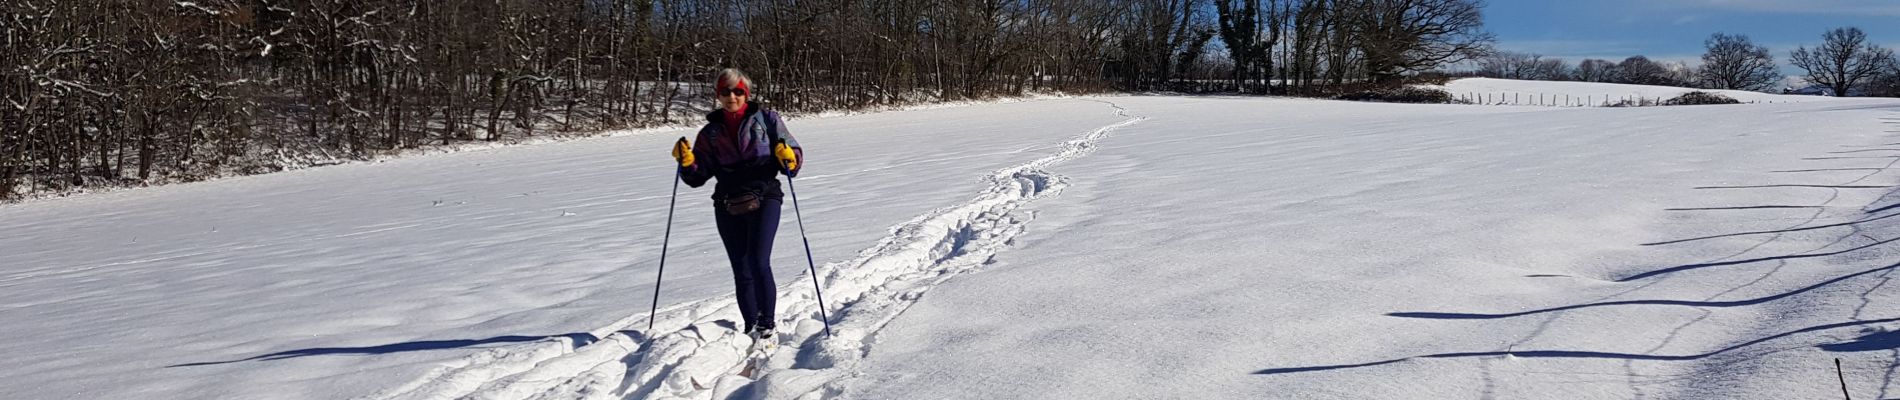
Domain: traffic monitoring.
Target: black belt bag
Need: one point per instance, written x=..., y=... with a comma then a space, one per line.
x=741, y=204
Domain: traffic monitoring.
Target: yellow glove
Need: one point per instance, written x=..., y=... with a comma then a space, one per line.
x=786, y=157
x=683, y=153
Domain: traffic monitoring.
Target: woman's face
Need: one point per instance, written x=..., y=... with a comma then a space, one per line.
x=731, y=99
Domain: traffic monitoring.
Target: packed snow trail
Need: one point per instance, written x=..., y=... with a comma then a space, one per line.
x=351, y=280
x=695, y=348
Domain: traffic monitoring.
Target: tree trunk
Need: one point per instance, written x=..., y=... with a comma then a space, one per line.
x=500, y=90
x=146, y=147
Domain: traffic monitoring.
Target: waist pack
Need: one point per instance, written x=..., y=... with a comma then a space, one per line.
x=741, y=204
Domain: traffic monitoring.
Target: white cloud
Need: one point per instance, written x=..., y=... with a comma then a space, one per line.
x=1573, y=51
x=1857, y=7
x=1560, y=48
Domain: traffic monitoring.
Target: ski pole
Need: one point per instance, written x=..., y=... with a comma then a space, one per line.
x=808, y=261
x=674, y=199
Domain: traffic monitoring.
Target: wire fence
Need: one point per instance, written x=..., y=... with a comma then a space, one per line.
x=1564, y=100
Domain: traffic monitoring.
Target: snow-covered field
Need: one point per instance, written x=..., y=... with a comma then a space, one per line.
x=1551, y=93
x=1115, y=247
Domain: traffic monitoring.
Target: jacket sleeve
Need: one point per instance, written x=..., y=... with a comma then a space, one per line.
x=781, y=135
x=702, y=169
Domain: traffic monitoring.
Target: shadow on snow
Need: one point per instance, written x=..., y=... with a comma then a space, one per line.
x=1735, y=303
x=579, y=339
x=1869, y=342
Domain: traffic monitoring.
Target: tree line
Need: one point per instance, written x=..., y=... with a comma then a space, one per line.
x=132, y=92
x=1845, y=64
x=1306, y=47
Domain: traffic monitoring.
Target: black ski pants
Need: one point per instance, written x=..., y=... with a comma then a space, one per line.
x=748, y=240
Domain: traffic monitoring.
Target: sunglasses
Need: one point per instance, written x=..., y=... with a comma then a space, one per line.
x=730, y=91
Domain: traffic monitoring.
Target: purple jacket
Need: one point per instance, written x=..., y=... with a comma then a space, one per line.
x=744, y=164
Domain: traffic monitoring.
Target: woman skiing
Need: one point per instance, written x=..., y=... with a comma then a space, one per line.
x=745, y=147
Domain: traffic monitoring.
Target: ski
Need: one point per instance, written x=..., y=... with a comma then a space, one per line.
x=756, y=357
x=751, y=366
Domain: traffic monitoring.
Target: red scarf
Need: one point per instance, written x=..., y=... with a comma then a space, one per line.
x=733, y=119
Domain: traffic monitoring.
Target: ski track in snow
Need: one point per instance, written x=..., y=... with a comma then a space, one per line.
x=696, y=343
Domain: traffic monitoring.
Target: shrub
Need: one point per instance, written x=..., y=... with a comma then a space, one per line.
x=1439, y=78
x=1700, y=98
x=1401, y=95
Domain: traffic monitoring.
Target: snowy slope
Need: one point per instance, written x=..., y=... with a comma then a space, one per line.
x=1511, y=91
x=1384, y=251
x=1078, y=248
x=344, y=281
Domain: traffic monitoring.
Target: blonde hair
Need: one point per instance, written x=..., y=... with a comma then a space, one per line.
x=735, y=75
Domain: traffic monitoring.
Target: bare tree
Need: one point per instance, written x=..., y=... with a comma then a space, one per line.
x=1505, y=65
x=1734, y=62
x=1595, y=70
x=1320, y=44
x=1641, y=70
x=143, y=92
x=1401, y=36
x=1515, y=65
x=1251, y=30
x=1886, y=85
x=1678, y=73
x=1550, y=69
x=1155, y=36
x=1844, y=60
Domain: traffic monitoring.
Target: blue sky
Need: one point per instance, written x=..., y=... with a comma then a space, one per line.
x=1675, y=29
